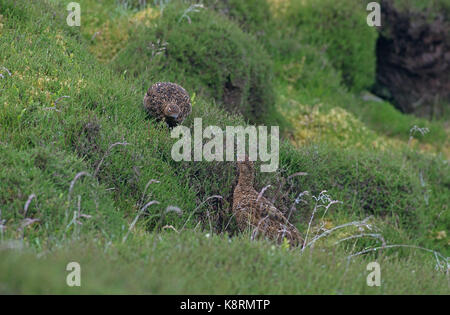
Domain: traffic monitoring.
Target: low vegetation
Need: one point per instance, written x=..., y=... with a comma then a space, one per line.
x=87, y=174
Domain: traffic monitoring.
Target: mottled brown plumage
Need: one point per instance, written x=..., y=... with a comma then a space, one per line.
x=169, y=102
x=257, y=213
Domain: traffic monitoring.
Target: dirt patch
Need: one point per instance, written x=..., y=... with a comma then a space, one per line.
x=233, y=94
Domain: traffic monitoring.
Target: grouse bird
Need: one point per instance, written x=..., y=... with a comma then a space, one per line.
x=169, y=102
x=254, y=211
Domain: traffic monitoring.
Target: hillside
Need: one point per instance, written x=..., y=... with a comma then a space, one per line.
x=82, y=162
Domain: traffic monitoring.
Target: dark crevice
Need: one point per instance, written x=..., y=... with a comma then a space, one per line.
x=413, y=60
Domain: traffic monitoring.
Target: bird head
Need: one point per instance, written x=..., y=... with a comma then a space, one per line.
x=246, y=170
x=172, y=110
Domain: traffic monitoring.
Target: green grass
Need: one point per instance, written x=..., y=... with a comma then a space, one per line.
x=207, y=53
x=317, y=57
x=65, y=105
x=339, y=30
x=192, y=263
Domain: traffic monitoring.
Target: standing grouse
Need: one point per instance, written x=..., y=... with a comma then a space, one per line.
x=169, y=102
x=255, y=211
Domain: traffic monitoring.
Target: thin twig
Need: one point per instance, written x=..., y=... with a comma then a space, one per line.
x=27, y=204
x=192, y=8
x=55, y=103
x=2, y=224
x=377, y=236
x=261, y=193
x=137, y=218
x=437, y=255
x=297, y=174
x=60, y=98
x=174, y=209
x=296, y=202
x=95, y=35
x=328, y=232
x=289, y=179
x=151, y=181
x=7, y=71
x=170, y=227
x=229, y=221
x=321, y=198
x=201, y=204
x=72, y=185
x=26, y=222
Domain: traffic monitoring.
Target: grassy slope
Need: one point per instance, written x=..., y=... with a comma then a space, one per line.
x=43, y=149
x=192, y=263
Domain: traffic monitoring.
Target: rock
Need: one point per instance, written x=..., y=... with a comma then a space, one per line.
x=413, y=59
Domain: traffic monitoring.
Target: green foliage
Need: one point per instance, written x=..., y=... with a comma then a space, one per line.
x=47, y=173
x=75, y=105
x=192, y=263
x=205, y=53
x=254, y=16
x=339, y=28
x=309, y=73
x=62, y=112
x=376, y=114
x=406, y=191
x=307, y=78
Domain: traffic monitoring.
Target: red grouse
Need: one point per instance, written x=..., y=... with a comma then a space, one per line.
x=169, y=102
x=257, y=213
